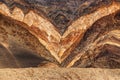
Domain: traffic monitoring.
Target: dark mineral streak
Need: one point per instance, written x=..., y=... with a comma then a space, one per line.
x=60, y=12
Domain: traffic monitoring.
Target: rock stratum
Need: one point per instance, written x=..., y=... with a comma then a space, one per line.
x=60, y=33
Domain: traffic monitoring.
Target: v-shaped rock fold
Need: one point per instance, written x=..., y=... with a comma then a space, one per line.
x=59, y=46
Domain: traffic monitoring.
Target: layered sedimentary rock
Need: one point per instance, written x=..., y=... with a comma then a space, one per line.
x=67, y=33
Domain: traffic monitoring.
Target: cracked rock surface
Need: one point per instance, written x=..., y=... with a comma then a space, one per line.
x=65, y=33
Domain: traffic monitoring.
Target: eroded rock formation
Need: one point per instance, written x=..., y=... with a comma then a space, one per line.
x=67, y=33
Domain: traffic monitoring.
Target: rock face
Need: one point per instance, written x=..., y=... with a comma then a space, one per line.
x=66, y=33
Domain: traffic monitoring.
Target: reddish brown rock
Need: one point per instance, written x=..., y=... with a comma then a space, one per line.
x=68, y=33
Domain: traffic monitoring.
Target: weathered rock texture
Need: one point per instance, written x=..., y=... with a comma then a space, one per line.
x=59, y=74
x=68, y=33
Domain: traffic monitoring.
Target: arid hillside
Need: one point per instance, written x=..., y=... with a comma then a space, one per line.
x=59, y=39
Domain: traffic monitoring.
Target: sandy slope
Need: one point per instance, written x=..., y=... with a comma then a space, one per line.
x=59, y=74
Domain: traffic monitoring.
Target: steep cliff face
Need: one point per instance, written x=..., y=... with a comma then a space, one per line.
x=65, y=33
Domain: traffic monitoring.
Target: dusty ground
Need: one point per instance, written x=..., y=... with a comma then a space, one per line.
x=59, y=74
